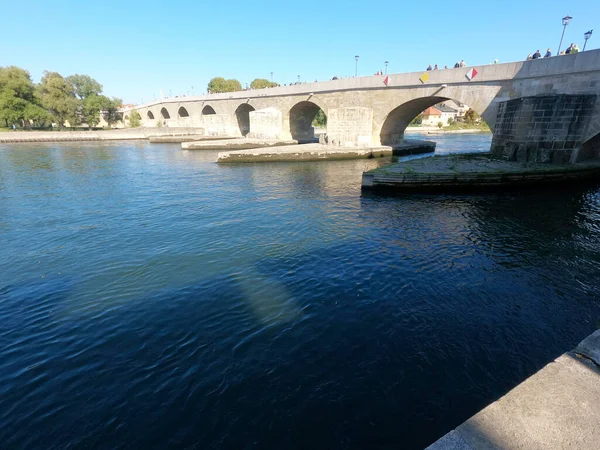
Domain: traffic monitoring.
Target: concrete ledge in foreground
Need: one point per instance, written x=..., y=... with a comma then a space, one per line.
x=235, y=144
x=473, y=173
x=304, y=152
x=177, y=139
x=557, y=408
x=320, y=152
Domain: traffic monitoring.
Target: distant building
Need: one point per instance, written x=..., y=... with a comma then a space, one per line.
x=460, y=108
x=433, y=115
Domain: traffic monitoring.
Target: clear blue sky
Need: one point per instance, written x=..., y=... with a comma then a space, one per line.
x=136, y=48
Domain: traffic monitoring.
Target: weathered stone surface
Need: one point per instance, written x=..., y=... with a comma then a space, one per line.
x=266, y=123
x=590, y=348
x=235, y=144
x=451, y=441
x=534, y=124
x=349, y=127
x=305, y=152
x=556, y=408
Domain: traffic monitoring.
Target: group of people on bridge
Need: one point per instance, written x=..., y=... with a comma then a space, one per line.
x=462, y=63
x=573, y=48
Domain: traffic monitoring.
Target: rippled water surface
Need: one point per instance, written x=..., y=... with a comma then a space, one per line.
x=150, y=298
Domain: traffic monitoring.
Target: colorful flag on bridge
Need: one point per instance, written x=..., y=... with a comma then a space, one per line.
x=424, y=77
x=471, y=74
x=386, y=81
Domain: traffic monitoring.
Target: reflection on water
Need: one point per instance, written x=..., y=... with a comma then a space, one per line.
x=151, y=298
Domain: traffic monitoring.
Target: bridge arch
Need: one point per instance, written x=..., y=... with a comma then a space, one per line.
x=182, y=112
x=207, y=110
x=242, y=115
x=164, y=113
x=301, y=117
x=396, y=121
x=150, y=115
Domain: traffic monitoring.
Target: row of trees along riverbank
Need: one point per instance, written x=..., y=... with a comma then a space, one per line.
x=76, y=99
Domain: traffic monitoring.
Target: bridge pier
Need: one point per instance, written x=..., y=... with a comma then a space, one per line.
x=545, y=128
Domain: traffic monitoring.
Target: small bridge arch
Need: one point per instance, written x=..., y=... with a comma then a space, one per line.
x=301, y=117
x=150, y=115
x=182, y=112
x=242, y=115
x=208, y=110
x=164, y=113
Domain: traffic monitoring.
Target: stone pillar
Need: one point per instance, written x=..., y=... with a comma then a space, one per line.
x=217, y=124
x=545, y=128
x=350, y=127
x=266, y=124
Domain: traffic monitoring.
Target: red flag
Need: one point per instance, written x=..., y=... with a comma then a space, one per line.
x=386, y=81
x=471, y=74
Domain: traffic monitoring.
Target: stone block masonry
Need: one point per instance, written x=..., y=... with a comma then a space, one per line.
x=266, y=123
x=545, y=128
x=350, y=127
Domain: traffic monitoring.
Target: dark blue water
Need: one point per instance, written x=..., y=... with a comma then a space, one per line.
x=150, y=298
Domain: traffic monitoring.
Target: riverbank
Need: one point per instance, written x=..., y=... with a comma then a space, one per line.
x=556, y=408
x=98, y=135
x=473, y=172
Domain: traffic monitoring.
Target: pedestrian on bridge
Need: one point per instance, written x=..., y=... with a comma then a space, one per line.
x=548, y=54
x=536, y=55
x=463, y=63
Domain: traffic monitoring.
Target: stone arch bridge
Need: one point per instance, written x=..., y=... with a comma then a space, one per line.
x=542, y=110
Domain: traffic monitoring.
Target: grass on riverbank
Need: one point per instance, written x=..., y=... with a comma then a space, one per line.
x=481, y=126
x=456, y=126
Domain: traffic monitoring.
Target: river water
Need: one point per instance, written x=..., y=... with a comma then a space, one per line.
x=150, y=298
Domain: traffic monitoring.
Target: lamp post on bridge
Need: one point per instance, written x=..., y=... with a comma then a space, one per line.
x=386, y=64
x=298, y=78
x=586, y=36
x=192, y=91
x=271, y=77
x=565, y=22
x=356, y=66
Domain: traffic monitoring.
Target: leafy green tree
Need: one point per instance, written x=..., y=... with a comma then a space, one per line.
x=320, y=119
x=84, y=86
x=261, y=83
x=58, y=98
x=417, y=120
x=135, y=120
x=17, y=95
x=91, y=108
x=111, y=111
x=471, y=116
x=220, y=84
x=38, y=116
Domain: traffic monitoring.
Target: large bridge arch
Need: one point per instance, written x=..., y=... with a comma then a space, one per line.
x=301, y=116
x=396, y=121
x=242, y=115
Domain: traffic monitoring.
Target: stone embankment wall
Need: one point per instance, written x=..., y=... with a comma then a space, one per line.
x=104, y=135
x=546, y=128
